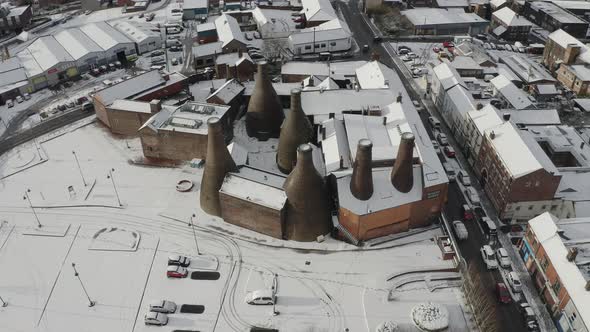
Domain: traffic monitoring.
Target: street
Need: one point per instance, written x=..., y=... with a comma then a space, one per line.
x=508, y=317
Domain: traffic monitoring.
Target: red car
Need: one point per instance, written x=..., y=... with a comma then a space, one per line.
x=298, y=19
x=176, y=271
x=448, y=44
x=436, y=50
x=449, y=151
x=502, y=293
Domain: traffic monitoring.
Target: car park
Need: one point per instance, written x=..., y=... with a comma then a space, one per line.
x=442, y=139
x=472, y=196
x=460, y=230
x=176, y=271
x=503, y=258
x=464, y=178
x=449, y=151
x=261, y=297
x=163, y=306
x=502, y=293
x=487, y=254
x=179, y=260
x=155, y=318
x=514, y=282
x=19, y=99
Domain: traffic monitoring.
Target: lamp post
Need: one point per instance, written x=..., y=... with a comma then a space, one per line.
x=77, y=275
x=192, y=225
x=4, y=303
x=110, y=176
x=79, y=168
x=31, y=206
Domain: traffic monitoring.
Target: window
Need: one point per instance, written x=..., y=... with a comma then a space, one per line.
x=308, y=47
x=553, y=207
x=544, y=263
x=518, y=208
x=433, y=194
x=317, y=45
x=209, y=61
x=199, y=62
x=530, y=207
x=323, y=45
x=332, y=43
x=556, y=286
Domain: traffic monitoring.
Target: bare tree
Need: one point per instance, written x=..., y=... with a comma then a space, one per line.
x=480, y=299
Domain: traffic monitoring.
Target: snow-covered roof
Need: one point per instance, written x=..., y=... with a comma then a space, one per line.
x=534, y=117
x=12, y=76
x=512, y=150
x=439, y=16
x=581, y=71
x=555, y=12
x=331, y=30
x=232, y=58
x=259, y=16
x=465, y=62
x=255, y=191
x=130, y=87
x=131, y=106
x=546, y=89
x=206, y=26
x=547, y=228
x=510, y=18
x=208, y=49
x=564, y=39
x=452, y=3
x=228, y=30
x=77, y=43
x=316, y=102
x=318, y=10
x=370, y=76
x=485, y=118
x=135, y=32
x=190, y=118
x=447, y=75
x=104, y=35
x=192, y=4
x=516, y=97
x=497, y=3
x=43, y=54
x=228, y=91
x=462, y=99
x=338, y=70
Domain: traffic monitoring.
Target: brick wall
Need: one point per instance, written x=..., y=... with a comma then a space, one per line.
x=252, y=216
x=173, y=145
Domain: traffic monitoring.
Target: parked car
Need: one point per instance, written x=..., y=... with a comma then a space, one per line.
x=472, y=196
x=176, y=271
x=70, y=104
x=377, y=38
x=175, y=49
x=247, y=35
x=450, y=170
x=9, y=103
x=403, y=51
x=163, y=306
x=442, y=139
x=434, y=122
x=460, y=230
x=436, y=49
x=403, y=47
x=256, y=56
x=503, y=293
x=174, y=61
x=61, y=107
x=95, y=72
x=156, y=318
x=467, y=212
x=365, y=48
x=19, y=99
x=102, y=68
x=27, y=96
x=514, y=282
x=179, y=260
x=503, y=258
x=81, y=100
x=449, y=151
x=141, y=15
x=88, y=12
x=435, y=146
x=256, y=35
x=250, y=48
x=260, y=297
x=150, y=17
x=448, y=44
x=464, y=178
x=487, y=254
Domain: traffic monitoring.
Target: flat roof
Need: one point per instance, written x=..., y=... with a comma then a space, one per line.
x=77, y=43
x=135, y=32
x=516, y=97
x=190, y=118
x=207, y=49
x=331, y=30
x=131, y=106
x=581, y=72
x=253, y=191
x=557, y=13
x=337, y=69
x=191, y=4
x=534, y=117
x=441, y=16
x=370, y=76
x=104, y=35
x=316, y=102
x=130, y=87
x=465, y=62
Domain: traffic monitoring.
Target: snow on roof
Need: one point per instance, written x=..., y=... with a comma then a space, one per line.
x=254, y=191
x=130, y=87
x=13, y=76
x=131, y=106
x=528, y=69
x=485, y=118
x=192, y=4
x=510, y=18
x=447, y=75
x=513, y=94
x=335, y=145
x=465, y=62
x=508, y=73
x=370, y=76
x=331, y=30
x=206, y=26
x=77, y=43
x=228, y=30
x=452, y=3
x=512, y=150
x=534, y=117
x=438, y=16
x=581, y=71
x=208, y=49
x=189, y=118
x=564, y=39
x=462, y=99
x=572, y=4
x=232, y=58
x=570, y=275
x=497, y=3
x=316, y=102
x=43, y=54
x=135, y=32
x=104, y=35
x=338, y=70
x=583, y=103
x=228, y=91
x=259, y=16
x=318, y=10
x=556, y=13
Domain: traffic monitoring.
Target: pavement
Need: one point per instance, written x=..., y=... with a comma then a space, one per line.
x=508, y=316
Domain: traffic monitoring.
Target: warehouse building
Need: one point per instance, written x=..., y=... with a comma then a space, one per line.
x=551, y=17
x=115, y=45
x=331, y=36
x=85, y=52
x=195, y=9
x=14, y=80
x=145, y=39
x=438, y=21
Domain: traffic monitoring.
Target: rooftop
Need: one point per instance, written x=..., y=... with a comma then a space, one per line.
x=370, y=76
x=208, y=49
x=77, y=43
x=228, y=30
x=465, y=63
x=564, y=39
x=534, y=117
x=318, y=10
x=508, y=17
x=135, y=32
x=131, y=106
x=190, y=4
x=528, y=69
x=516, y=97
x=485, y=118
x=232, y=58
x=130, y=87
x=447, y=75
x=190, y=118
x=43, y=54
x=581, y=71
x=259, y=191
x=104, y=35
x=423, y=17
x=228, y=91
x=558, y=14
x=337, y=70
x=331, y=30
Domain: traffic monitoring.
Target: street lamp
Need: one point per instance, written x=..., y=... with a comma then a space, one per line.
x=77, y=275
x=4, y=303
x=79, y=168
x=31, y=206
x=110, y=176
x=192, y=225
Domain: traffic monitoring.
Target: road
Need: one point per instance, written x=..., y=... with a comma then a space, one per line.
x=507, y=316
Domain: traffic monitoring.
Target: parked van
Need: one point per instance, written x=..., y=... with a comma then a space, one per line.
x=450, y=170
x=434, y=122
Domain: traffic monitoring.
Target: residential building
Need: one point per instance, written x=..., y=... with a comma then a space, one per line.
x=206, y=33
x=331, y=36
x=556, y=255
x=205, y=54
x=467, y=67
x=575, y=77
x=14, y=19
x=235, y=65
x=195, y=9
x=509, y=94
x=438, y=21
x=474, y=127
x=229, y=34
x=317, y=12
x=563, y=48
x=509, y=25
x=551, y=17
x=181, y=133
x=498, y=4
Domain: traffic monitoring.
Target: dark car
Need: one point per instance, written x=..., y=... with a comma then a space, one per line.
x=175, y=49
x=81, y=100
x=157, y=53
x=61, y=107
x=502, y=293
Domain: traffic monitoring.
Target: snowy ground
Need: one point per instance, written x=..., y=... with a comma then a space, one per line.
x=326, y=286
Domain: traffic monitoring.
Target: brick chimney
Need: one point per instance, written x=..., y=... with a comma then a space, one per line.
x=571, y=53
x=361, y=183
x=402, y=173
x=296, y=130
x=375, y=56
x=572, y=253
x=155, y=106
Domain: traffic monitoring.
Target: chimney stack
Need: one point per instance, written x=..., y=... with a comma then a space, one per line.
x=265, y=111
x=218, y=163
x=240, y=53
x=402, y=173
x=399, y=97
x=572, y=253
x=375, y=56
x=155, y=106
x=296, y=130
x=308, y=211
x=361, y=183
x=506, y=116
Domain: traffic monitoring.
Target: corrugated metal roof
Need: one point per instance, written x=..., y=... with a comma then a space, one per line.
x=104, y=35
x=77, y=43
x=43, y=54
x=135, y=32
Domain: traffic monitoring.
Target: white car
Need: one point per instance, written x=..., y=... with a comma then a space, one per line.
x=460, y=230
x=487, y=253
x=19, y=99
x=261, y=296
x=503, y=258
x=179, y=260
x=27, y=96
x=472, y=196
x=9, y=103
x=155, y=318
x=442, y=139
x=464, y=178
x=514, y=282
x=163, y=306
